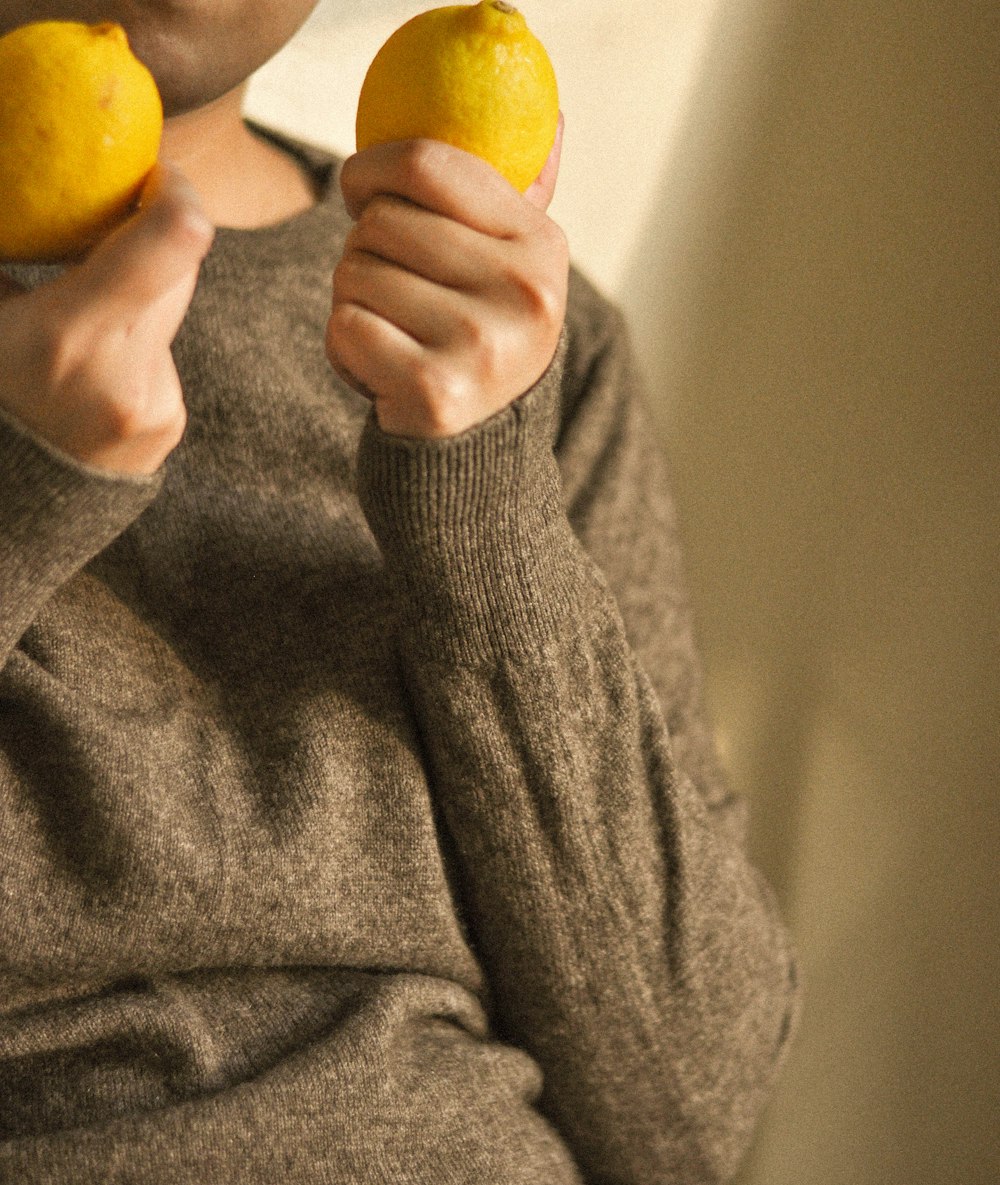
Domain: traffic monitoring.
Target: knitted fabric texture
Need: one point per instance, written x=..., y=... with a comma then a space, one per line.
x=360, y=824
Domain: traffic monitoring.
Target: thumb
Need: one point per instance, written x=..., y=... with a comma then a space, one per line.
x=540, y=192
x=155, y=250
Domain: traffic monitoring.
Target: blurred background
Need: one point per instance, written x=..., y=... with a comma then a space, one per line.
x=797, y=204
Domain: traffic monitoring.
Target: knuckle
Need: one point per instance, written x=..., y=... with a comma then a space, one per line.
x=121, y=418
x=376, y=217
x=421, y=161
x=550, y=304
x=136, y=442
x=427, y=381
x=174, y=425
x=542, y=296
x=443, y=393
x=489, y=354
x=473, y=332
x=555, y=238
x=133, y=416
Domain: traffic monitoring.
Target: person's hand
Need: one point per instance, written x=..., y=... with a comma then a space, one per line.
x=450, y=296
x=86, y=358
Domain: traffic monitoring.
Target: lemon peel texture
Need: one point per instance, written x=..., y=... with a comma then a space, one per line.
x=80, y=127
x=472, y=75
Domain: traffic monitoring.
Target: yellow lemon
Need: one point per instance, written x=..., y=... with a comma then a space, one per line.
x=80, y=126
x=472, y=75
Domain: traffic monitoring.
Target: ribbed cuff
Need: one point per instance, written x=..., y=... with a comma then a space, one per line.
x=56, y=514
x=472, y=530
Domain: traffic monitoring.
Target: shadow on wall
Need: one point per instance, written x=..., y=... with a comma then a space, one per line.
x=817, y=306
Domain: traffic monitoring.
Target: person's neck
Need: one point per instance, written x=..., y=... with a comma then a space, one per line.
x=243, y=180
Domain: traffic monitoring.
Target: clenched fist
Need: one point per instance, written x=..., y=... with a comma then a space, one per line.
x=450, y=296
x=87, y=362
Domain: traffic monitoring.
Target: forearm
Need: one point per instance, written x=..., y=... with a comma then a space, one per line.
x=55, y=515
x=630, y=947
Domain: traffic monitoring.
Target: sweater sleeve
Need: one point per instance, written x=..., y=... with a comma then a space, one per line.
x=56, y=514
x=630, y=947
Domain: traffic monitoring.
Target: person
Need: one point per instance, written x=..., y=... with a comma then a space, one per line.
x=359, y=814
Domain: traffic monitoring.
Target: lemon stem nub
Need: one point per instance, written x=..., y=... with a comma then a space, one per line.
x=470, y=75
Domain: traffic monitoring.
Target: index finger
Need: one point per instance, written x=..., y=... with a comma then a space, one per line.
x=439, y=177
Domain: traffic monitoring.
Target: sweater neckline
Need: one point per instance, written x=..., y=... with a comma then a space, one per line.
x=315, y=234
x=323, y=169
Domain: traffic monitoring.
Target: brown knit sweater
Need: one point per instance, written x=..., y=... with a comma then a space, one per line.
x=359, y=824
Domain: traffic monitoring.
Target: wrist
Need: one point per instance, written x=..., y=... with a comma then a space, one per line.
x=472, y=529
x=56, y=514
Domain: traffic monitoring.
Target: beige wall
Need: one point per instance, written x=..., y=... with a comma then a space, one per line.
x=798, y=205
x=829, y=358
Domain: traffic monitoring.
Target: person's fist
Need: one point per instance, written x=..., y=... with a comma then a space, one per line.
x=87, y=361
x=450, y=296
